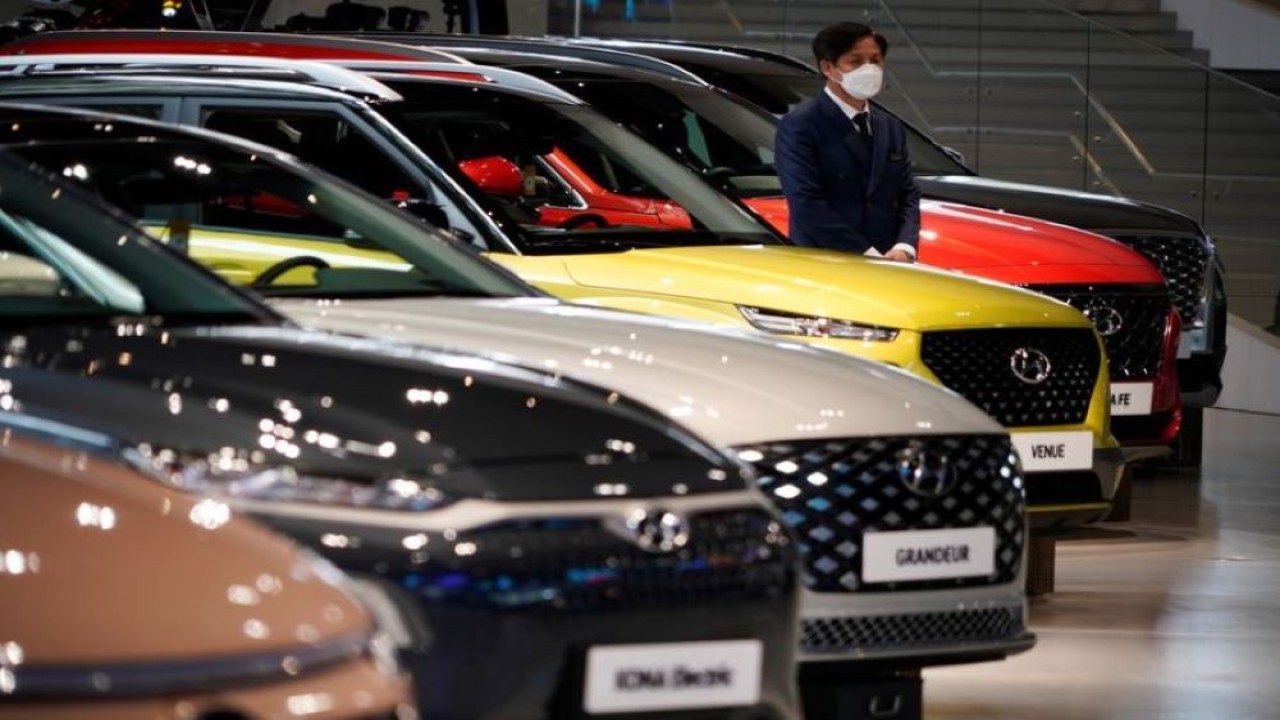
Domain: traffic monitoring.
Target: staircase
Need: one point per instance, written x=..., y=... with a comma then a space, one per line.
x=1005, y=81
x=1143, y=20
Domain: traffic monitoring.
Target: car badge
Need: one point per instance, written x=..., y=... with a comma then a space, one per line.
x=1030, y=365
x=657, y=530
x=925, y=473
x=1105, y=318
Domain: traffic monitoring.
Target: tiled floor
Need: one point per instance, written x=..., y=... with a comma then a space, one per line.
x=1173, y=615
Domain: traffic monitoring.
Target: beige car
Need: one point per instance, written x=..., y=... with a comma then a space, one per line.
x=122, y=599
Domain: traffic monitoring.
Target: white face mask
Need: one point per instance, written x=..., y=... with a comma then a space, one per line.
x=863, y=83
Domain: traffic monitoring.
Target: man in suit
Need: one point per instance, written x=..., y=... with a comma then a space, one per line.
x=843, y=164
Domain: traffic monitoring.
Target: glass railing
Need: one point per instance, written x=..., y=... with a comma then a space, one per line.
x=1028, y=91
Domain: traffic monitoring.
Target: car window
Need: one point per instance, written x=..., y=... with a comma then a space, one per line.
x=62, y=256
x=713, y=133
x=331, y=142
x=268, y=222
x=150, y=111
x=323, y=139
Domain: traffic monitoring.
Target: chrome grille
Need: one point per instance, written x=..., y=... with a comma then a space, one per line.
x=897, y=631
x=1134, y=349
x=833, y=492
x=976, y=364
x=577, y=564
x=1182, y=260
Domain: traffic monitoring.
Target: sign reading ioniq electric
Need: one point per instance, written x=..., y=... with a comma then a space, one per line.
x=663, y=676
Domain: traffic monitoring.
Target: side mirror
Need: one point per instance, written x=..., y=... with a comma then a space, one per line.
x=495, y=175
x=954, y=154
x=426, y=210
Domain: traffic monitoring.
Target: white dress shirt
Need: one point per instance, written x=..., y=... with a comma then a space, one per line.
x=851, y=112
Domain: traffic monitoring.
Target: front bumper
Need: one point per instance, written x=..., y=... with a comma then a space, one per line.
x=500, y=614
x=874, y=631
x=510, y=665
x=836, y=494
x=1061, y=500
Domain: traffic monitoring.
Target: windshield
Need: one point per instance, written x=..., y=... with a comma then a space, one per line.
x=728, y=141
x=268, y=224
x=782, y=88
x=573, y=180
x=65, y=259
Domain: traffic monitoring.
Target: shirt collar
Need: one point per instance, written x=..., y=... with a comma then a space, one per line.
x=848, y=110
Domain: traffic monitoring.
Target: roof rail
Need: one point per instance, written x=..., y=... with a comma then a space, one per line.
x=324, y=74
x=212, y=42
x=498, y=76
x=639, y=44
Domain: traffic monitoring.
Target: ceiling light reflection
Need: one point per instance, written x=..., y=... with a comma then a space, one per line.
x=210, y=514
x=99, y=516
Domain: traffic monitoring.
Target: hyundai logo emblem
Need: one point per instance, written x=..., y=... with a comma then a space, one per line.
x=925, y=473
x=655, y=530
x=1030, y=365
x=1105, y=318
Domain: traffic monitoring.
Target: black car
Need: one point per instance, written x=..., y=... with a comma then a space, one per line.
x=1173, y=242
x=542, y=548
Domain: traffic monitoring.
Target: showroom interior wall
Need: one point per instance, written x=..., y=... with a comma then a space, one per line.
x=1251, y=375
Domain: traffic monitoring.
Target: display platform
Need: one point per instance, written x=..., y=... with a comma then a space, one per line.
x=1175, y=614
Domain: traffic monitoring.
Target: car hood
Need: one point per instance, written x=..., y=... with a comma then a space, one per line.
x=1010, y=248
x=1025, y=250
x=824, y=283
x=730, y=387
x=354, y=408
x=1098, y=213
x=96, y=554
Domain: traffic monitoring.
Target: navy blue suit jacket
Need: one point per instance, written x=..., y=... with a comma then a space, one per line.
x=840, y=193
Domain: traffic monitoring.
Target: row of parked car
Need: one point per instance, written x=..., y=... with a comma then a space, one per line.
x=320, y=284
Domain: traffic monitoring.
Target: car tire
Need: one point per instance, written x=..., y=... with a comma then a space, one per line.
x=1188, y=449
x=1122, y=501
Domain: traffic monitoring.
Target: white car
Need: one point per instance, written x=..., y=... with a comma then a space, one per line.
x=907, y=500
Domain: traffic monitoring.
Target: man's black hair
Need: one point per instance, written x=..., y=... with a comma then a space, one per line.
x=833, y=41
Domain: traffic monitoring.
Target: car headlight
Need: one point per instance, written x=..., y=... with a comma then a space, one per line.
x=244, y=480
x=784, y=323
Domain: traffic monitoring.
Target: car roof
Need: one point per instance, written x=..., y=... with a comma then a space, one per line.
x=571, y=68
x=161, y=83
x=407, y=84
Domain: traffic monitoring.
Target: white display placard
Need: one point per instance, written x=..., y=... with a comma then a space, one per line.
x=1050, y=451
x=928, y=554
x=1131, y=398
x=673, y=676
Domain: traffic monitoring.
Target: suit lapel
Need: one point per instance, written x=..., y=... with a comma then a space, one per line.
x=879, y=147
x=844, y=128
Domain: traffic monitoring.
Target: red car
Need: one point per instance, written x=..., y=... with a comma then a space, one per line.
x=730, y=142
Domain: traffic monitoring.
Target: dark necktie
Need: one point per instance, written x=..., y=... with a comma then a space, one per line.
x=864, y=131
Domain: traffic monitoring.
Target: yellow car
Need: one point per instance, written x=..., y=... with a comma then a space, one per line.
x=1034, y=364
